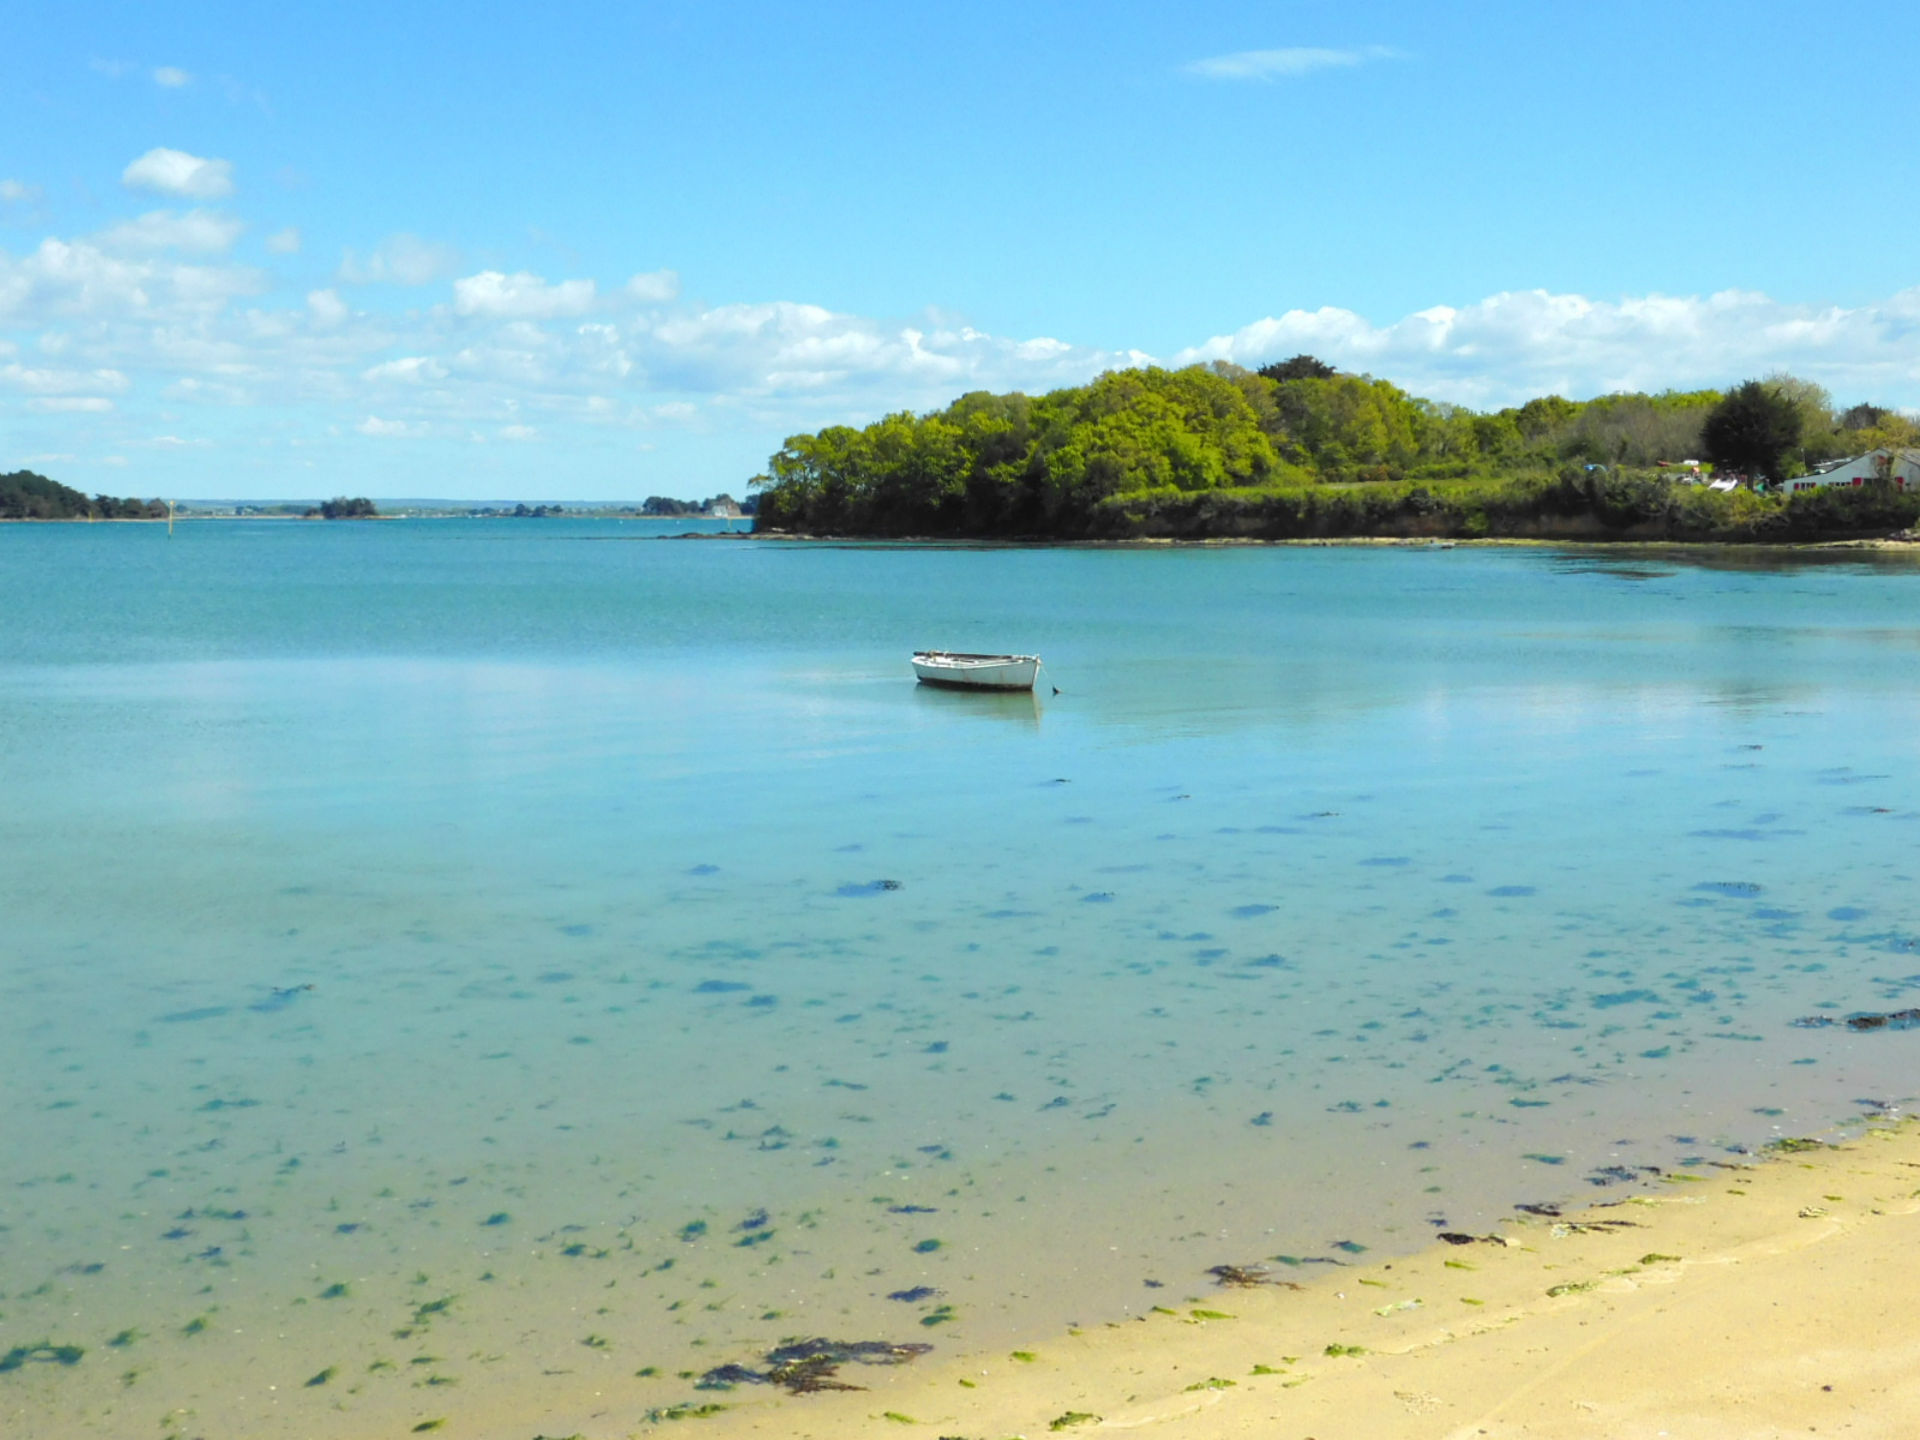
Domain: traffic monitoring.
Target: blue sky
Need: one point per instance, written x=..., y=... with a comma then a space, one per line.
x=601, y=251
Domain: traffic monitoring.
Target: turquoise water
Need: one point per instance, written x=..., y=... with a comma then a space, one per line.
x=683, y=978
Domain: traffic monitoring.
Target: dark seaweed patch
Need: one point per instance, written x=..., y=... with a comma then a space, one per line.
x=205, y=1012
x=915, y=1295
x=1864, y=1020
x=44, y=1353
x=1245, y=1277
x=1625, y=997
x=853, y=890
x=279, y=999
x=807, y=1367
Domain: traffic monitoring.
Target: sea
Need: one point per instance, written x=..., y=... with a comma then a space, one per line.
x=486, y=975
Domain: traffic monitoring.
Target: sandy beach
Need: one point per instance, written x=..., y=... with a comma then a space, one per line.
x=1733, y=1301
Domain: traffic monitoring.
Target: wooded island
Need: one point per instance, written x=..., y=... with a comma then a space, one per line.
x=1299, y=449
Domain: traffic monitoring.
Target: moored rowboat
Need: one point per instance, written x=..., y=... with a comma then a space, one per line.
x=976, y=672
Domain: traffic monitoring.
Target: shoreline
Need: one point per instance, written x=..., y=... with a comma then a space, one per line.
x=1738, y=1300
x=1882, y=543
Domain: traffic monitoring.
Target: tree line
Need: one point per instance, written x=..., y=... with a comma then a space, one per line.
x=1298, y=443
x=27, y=496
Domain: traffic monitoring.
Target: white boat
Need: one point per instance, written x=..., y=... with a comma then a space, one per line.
x=976, y=672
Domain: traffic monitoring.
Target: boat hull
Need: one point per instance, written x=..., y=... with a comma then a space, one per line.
x=976, y=672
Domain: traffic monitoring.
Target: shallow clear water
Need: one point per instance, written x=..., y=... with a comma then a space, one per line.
x=684, y=978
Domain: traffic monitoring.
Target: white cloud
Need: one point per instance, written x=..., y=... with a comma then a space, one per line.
x=326, y=308
x=400, y=260
x=63, y=382
x=14, y=192
x=71, y=404
x=1514, y=345
x=409, y=370
x=380, y=429
x=1285, y=64
x=655, y=287
x=170, y=77
x=285, y=242
x=79, y=279
x=518, y=432
x=175, y=172
x=520, y=296
x=202, y=232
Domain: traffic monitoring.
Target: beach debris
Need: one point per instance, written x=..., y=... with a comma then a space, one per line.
x=1863, y=1020
x=915, y=1295
x=1572, y=1287
x=1072, y=1418
x=1592, y=1227
x=1454, y=1237
x=1248, y=1276
x=807, y=1367
x=1549, y=1212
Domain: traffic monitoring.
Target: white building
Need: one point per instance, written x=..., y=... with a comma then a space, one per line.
x=1900, y=466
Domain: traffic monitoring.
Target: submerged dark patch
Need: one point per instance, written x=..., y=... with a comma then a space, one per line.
x=853, y=890
x=807, y=1367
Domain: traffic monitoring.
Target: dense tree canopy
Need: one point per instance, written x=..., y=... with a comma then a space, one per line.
x=1206, y=440
x=27, y=496
x=342, y=508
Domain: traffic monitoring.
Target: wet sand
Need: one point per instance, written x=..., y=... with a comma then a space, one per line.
x=1754, y=1301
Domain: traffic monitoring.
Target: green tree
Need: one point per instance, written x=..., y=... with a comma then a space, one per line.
x=1752, y=431
x=1300, y=367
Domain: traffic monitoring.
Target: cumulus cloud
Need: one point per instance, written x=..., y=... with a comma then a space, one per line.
x=79, y=279
x=15, y=192
x=175, y=172
x=284, y=242
x=63, y=382
x=1523, y=343
x=171, y=77
x=1285, y=64
x=408, y=370
x=520, y=296
x=326, y=308
x=655, y=287
x=154, y=314
x=400, y=260
x=380, y=429
x=202, y=232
